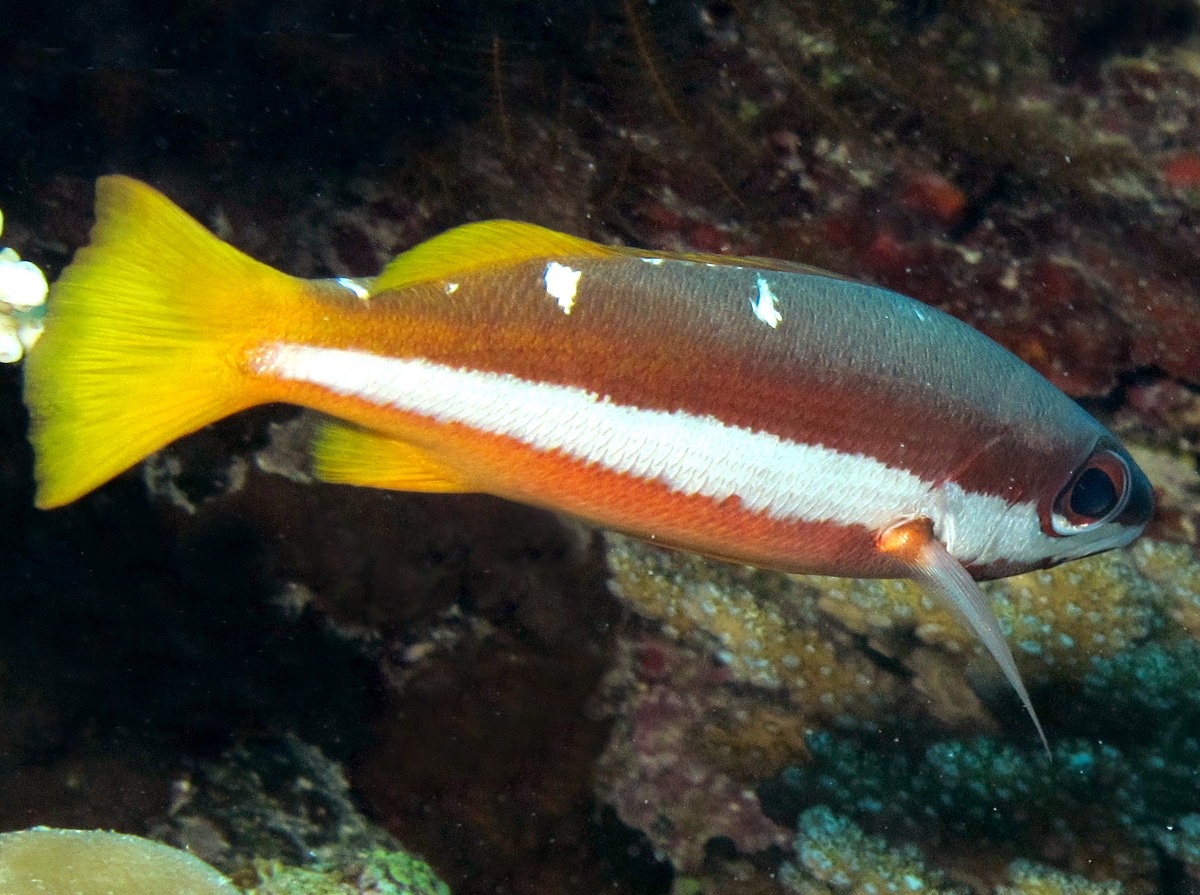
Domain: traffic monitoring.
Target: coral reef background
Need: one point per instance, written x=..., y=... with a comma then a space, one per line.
x=220, y=653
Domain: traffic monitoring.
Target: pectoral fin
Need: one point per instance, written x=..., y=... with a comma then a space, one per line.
x=931, y=564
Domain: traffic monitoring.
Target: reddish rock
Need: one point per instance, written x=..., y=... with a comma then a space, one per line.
x=1182, y=171
x=934, y=196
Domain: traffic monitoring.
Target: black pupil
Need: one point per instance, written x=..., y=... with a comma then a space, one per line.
x=1094, y=494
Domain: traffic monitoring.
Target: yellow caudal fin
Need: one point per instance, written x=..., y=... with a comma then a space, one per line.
x=144, y=334
x=354, y=456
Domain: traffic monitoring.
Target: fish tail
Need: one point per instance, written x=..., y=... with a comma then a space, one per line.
x=145, y=335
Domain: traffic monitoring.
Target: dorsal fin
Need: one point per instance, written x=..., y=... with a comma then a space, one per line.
x=784, y=266
x=754, y=262
x=472, y=247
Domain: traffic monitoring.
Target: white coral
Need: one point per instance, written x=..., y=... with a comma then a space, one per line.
x=23, y=289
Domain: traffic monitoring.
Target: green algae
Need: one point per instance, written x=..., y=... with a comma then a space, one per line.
x=381, y=873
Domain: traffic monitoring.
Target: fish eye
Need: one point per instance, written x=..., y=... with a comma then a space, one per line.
x=1096, y=493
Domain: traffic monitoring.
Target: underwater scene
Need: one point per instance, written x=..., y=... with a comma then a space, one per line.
x=639, y=447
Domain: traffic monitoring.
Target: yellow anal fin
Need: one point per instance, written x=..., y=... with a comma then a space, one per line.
x=475, y=247
x=351, y=455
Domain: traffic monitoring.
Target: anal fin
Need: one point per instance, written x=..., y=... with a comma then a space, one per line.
x=930, y=563
x=353, y=455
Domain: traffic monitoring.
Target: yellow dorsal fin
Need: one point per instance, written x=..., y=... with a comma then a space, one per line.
x=351, y=455
x=472, y=247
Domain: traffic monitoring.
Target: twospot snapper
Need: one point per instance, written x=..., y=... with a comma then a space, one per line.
x=749, y=409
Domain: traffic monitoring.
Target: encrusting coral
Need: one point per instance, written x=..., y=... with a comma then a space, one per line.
x=1097, y=806
x=861, y=668
x=43, y=861
x=256, y=813
x=677, y=764
x=835, y=857
x=1057, y=620
x=1028, y=878
x=763, y=627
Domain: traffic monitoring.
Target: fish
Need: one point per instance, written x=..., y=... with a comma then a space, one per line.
x=755, y=410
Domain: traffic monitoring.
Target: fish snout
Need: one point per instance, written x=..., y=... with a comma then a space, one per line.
x=1139, y=505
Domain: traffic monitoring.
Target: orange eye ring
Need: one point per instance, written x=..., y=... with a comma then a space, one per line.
x=1095, y=495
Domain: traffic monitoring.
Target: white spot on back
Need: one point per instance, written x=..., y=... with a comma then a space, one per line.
x=451, y=288
x=654, y=261
x=561, y=284
x=765, y=308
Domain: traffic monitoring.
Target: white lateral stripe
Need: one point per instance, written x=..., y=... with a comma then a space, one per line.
x=782, y=479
